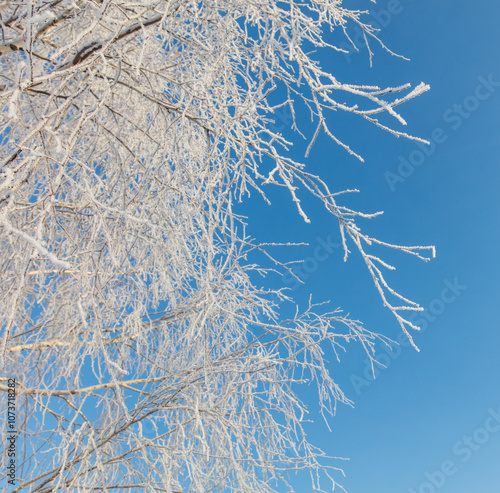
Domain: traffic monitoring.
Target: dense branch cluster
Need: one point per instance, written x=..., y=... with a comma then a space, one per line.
x=128, y=131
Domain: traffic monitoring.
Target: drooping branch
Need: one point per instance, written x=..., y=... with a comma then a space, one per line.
x=128, y=131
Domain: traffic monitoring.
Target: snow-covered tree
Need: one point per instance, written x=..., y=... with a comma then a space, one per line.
x=145, y=358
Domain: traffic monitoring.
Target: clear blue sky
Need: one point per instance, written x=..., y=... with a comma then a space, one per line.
x=427, y=423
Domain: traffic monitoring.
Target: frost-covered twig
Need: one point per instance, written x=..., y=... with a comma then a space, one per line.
x=128, y=300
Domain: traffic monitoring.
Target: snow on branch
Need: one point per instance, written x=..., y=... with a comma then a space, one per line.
x=128, y=283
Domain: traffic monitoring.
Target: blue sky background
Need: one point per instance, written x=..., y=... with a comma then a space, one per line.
x=427, y=412
x=422, y=425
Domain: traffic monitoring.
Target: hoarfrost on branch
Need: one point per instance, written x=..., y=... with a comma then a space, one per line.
x=129, y=129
